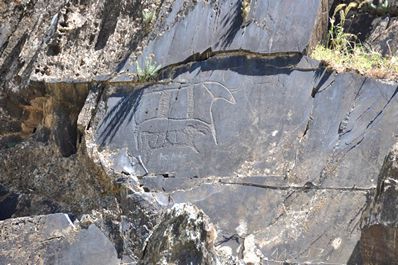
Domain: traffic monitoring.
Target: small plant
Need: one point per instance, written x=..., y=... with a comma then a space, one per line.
x=344, y=51
x=148, y=16
x=339, y=39
x=245, y=8
x=361, y=59
x=149, y=70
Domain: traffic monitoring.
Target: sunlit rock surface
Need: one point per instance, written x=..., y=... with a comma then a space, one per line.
x=242, y=150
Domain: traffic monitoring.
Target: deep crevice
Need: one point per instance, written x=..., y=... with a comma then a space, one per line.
x=306, y=187
x=381, y=111
x=168, y=71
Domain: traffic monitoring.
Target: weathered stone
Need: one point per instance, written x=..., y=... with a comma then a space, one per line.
x=184, y=235
x=232, y=131
x=140, y=214
x=192, y=28
x=79, y=39
x=172, y=129
x=53, y=239
x=384, y=36
x=67, y=41
x=17, y=203
x=45, y=182
x=378, y=244
x=281, y=154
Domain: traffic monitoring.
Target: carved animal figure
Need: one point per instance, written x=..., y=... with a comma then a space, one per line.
x=176, y=116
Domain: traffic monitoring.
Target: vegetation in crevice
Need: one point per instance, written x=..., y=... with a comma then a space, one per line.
x=149, y=70
x=345, y=52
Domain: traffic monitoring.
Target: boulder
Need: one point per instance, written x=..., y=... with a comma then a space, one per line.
x=184, y=235
x=53, y=239
x=378, y=244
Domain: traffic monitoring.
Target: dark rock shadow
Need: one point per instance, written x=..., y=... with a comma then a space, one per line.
x=355, y=258
x=233, y=21
x=108, y=24
x=8, y=203
x=240, y=64
x=321, y=76
x=124, y=109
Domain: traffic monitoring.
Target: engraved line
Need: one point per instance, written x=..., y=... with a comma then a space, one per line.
x=190, y=102
x=212, y=127
x=164, y=105
x=142, y=164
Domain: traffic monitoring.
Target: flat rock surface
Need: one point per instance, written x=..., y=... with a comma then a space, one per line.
x=190, y=28
x=254, y=116
x=53, y=239
x=268, y=146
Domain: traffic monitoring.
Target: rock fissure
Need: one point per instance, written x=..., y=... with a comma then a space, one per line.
x=384, y=107
x=263, y=140
x=307, y=187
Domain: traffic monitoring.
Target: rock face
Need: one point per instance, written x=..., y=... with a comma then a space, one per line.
x=378, y=239
x=242, y=150
x=306, y=131
x=383, y=37
x=376, y=26
x=184, y=236
x=53, y=239
x=193, y=28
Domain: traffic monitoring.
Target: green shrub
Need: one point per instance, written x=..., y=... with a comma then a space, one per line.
x=149, y=70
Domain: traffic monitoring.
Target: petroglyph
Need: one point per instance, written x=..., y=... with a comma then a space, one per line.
x=174, y=117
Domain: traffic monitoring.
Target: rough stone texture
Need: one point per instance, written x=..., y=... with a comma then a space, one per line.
x=309, y=146
x=384, y=36
x=183, y=236
x=70, y=41
x=53, y=239
x=62, y=184
x=378, y=242
x=375, y=28
x=76, y=39
x=281, y=154
x=190, y=28
x=50, y=52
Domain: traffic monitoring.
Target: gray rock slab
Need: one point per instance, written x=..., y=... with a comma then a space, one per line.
x=226, y=113
x=277, y=145
x=253, y=117
x=53, y=239
x=267, y=26
x=311, y=226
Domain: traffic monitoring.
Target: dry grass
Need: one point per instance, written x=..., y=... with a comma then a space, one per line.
x=369, y=63
x=344, y=53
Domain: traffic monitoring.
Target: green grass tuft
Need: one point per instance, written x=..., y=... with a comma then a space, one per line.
x=149, y=71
